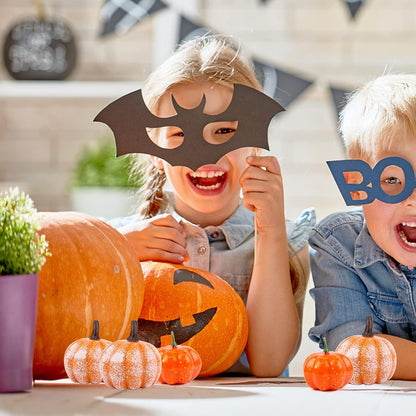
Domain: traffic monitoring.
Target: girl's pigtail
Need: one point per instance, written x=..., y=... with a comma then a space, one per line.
x=154, y=199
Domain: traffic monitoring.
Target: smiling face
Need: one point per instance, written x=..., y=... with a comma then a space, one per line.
x=393, y=226
x=210, y=194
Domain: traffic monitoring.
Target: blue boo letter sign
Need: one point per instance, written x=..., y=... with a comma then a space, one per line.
x=371, y=176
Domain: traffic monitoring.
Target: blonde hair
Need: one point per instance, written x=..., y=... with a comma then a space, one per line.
x=378, y=115
x=206, y=58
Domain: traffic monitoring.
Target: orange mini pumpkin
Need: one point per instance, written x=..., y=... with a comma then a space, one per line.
x=180, y=363
x=92, y=272
x=82, y=357
x=327, y=370
x=130, y=363
x=202, y=310
x=373, y=358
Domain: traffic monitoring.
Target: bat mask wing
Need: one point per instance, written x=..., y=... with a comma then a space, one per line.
x=128, y=117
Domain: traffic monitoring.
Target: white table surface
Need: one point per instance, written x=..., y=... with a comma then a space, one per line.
x=214, y=397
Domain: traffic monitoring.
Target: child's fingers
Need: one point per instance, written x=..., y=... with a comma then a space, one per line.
x=156, y=254
x=168, y=220
x=168, y=234
x=167, y=245
x=269, y=163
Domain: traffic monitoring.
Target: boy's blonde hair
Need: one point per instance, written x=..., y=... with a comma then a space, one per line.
x=378, y=115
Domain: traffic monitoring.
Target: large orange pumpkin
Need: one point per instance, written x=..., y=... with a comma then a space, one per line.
x=93, y=273
x=202, y=310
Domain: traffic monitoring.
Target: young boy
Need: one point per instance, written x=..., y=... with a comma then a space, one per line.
x=363, y=261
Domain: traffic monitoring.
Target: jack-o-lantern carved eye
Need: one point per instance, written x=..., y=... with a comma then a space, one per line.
x=183, y=275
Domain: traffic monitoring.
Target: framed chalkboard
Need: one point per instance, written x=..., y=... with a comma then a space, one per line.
x=39, y=49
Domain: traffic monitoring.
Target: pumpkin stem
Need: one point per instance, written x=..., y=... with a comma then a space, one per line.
x=95, y=331
x=326, y=349
x=368, y=331
x=134, y=333
x=174, y=344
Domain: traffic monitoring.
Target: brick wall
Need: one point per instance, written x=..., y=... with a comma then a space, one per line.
x=40, y=136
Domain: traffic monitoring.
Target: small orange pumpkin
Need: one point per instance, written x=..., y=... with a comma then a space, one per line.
x=202, y=310
x=130, y=363
x=373, y=358
x=180, y=363
x=82, y=357
x=93, y=272
x=327, y=370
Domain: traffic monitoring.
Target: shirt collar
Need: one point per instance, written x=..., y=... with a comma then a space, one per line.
x=367, y=252
x=236, y=229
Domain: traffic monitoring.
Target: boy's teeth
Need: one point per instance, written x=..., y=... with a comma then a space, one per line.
x=409, y=224
x=405, y=240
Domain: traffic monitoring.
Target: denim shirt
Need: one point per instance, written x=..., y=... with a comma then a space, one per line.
x=227, y=250
x=354, y=278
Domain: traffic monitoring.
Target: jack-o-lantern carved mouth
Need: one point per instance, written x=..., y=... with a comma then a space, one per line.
x=152, y=331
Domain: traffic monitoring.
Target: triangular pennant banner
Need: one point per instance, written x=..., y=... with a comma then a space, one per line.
x=354, y=6
x=189, y=30
x=280, y=85
x=339, y=99
x=120, y=15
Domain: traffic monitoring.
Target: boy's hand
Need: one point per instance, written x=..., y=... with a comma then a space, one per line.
x=262, y=187
x=158, y=239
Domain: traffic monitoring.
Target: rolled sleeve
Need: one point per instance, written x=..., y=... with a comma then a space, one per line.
x=340, y=296
x=299, y=229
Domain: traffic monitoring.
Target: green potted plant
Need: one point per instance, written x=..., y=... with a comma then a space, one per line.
x=22, y=253
x=101, y=184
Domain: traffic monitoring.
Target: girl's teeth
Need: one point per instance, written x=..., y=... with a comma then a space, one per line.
x=216, y=186
x=205, y=174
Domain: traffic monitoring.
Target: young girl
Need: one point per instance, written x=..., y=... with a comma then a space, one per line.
x=205, y=223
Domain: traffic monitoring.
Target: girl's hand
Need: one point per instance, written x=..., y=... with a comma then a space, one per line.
x=262, y=187
x=158, y=239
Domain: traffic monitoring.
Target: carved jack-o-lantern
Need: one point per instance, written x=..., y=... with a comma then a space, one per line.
x=202, y=310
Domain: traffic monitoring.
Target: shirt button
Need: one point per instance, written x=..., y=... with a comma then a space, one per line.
x=214, y=234
x=202, y=250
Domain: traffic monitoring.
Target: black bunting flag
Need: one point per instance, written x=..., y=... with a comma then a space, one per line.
x=280, y=85
x=354, y=6
x=339, y=99
x=189, y=30
x=119, y=16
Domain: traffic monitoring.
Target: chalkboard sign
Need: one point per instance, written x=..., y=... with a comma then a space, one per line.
x=39, y=49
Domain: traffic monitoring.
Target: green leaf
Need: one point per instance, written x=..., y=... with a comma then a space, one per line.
x=22, y=249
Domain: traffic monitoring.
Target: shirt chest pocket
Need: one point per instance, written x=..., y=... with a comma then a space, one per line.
x=388, y=308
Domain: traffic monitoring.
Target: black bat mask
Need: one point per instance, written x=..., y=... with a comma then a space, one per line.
x=128, y=117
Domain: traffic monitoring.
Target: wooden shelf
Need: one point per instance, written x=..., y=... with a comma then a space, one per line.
x=66, y=89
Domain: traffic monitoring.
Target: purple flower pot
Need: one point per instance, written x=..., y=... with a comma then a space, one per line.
x=18, y=307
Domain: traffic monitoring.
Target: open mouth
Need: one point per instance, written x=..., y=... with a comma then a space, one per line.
x=407, y=232
x=210, y=180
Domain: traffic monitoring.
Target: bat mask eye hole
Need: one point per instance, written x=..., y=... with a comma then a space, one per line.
x=169, y=137
x=219, y=132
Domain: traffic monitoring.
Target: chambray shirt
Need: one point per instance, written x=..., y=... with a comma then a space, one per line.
x=354, y=278
x=227, y=250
